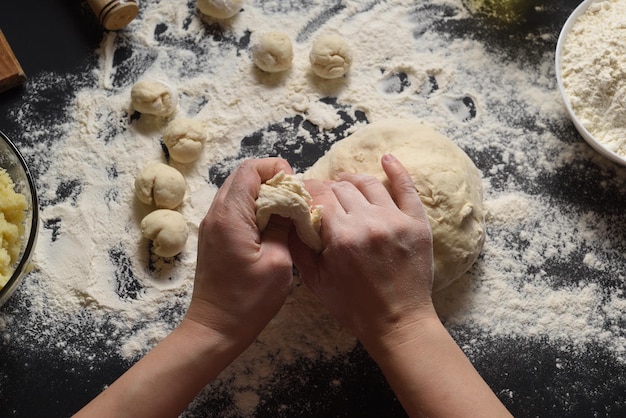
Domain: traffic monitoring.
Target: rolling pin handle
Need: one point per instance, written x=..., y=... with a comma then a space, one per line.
x=114, y=14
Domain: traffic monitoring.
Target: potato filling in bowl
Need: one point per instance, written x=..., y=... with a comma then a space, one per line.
x=12, y=214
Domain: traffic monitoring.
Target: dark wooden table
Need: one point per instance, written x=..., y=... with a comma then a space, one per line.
x=61, y=36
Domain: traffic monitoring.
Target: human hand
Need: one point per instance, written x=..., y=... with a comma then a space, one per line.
x=242, y=277
x=376, y=270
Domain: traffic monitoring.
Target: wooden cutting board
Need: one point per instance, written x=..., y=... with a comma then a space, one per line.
x=11, y=72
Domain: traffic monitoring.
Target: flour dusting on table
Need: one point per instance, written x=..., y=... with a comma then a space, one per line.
x=96, y=284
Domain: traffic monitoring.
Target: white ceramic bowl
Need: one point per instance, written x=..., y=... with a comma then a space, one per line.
x=595, y=144
x=13, y=162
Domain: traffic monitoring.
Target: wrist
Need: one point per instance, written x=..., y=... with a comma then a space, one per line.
x=208, y=350
x=430, y=374
x=200, y=336
x=207, y=329
x=417, y=328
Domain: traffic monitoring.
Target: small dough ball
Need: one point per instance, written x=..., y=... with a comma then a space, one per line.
x=154, y=98
x=220, y=9
x=184, y=139
x=330, y=57
x=273, y=52
x=168, y=231
x=162, y=185
x=449, y=184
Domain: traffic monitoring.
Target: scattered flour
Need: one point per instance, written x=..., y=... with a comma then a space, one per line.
x=95, y=276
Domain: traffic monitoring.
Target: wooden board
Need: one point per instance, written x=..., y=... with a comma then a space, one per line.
x=11, y=72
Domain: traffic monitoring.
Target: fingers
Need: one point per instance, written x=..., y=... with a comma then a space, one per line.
x=348, y=196
x=241, y=188
x=355, y=191
x=268, y=167
x=322, y=194
x=249, y=175
x=334, y=203
x=275, y=237
x=277, y=230
x=402, y=187
x=305, y=260
x=234, y=203
x=369, y=187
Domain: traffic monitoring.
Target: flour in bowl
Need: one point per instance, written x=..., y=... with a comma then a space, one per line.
x=593, y=65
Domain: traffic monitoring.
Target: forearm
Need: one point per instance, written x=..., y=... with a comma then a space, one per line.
x=163, y=382
x=432, y=377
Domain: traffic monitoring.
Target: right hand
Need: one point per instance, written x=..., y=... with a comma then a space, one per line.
x=375, y=272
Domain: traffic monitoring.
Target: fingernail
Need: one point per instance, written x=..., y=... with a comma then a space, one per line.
x=389, y=158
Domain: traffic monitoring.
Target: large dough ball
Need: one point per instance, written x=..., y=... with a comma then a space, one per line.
x=330, y=56
x=273, y=52
x=449, y=184
x=154, y=98
x=220, y=9
x=162, y=185
x=168, y=231
x=184, y=139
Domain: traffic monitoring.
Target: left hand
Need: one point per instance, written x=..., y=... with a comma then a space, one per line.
x=242, y=277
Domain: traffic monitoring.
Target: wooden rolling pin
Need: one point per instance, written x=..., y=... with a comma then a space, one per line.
x=114, y=14
x=11, y=73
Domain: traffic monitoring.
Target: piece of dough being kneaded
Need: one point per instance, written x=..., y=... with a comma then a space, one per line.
x=285, y=195
x=449, y=184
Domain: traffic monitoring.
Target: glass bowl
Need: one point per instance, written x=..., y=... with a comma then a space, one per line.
x=12, y=161
x=587, y=136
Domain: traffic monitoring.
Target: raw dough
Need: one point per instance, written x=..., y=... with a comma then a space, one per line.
x=449, y=184
x=330, y=56
x=285, y=195
x=273, y=52
x=154, y=98
x=220, y=9
x=184, y=139
x=168, y=231
x=162, y=185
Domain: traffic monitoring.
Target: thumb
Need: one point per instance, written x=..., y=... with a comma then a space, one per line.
x=276, y=231
x=402, y=187
x=305, y=260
